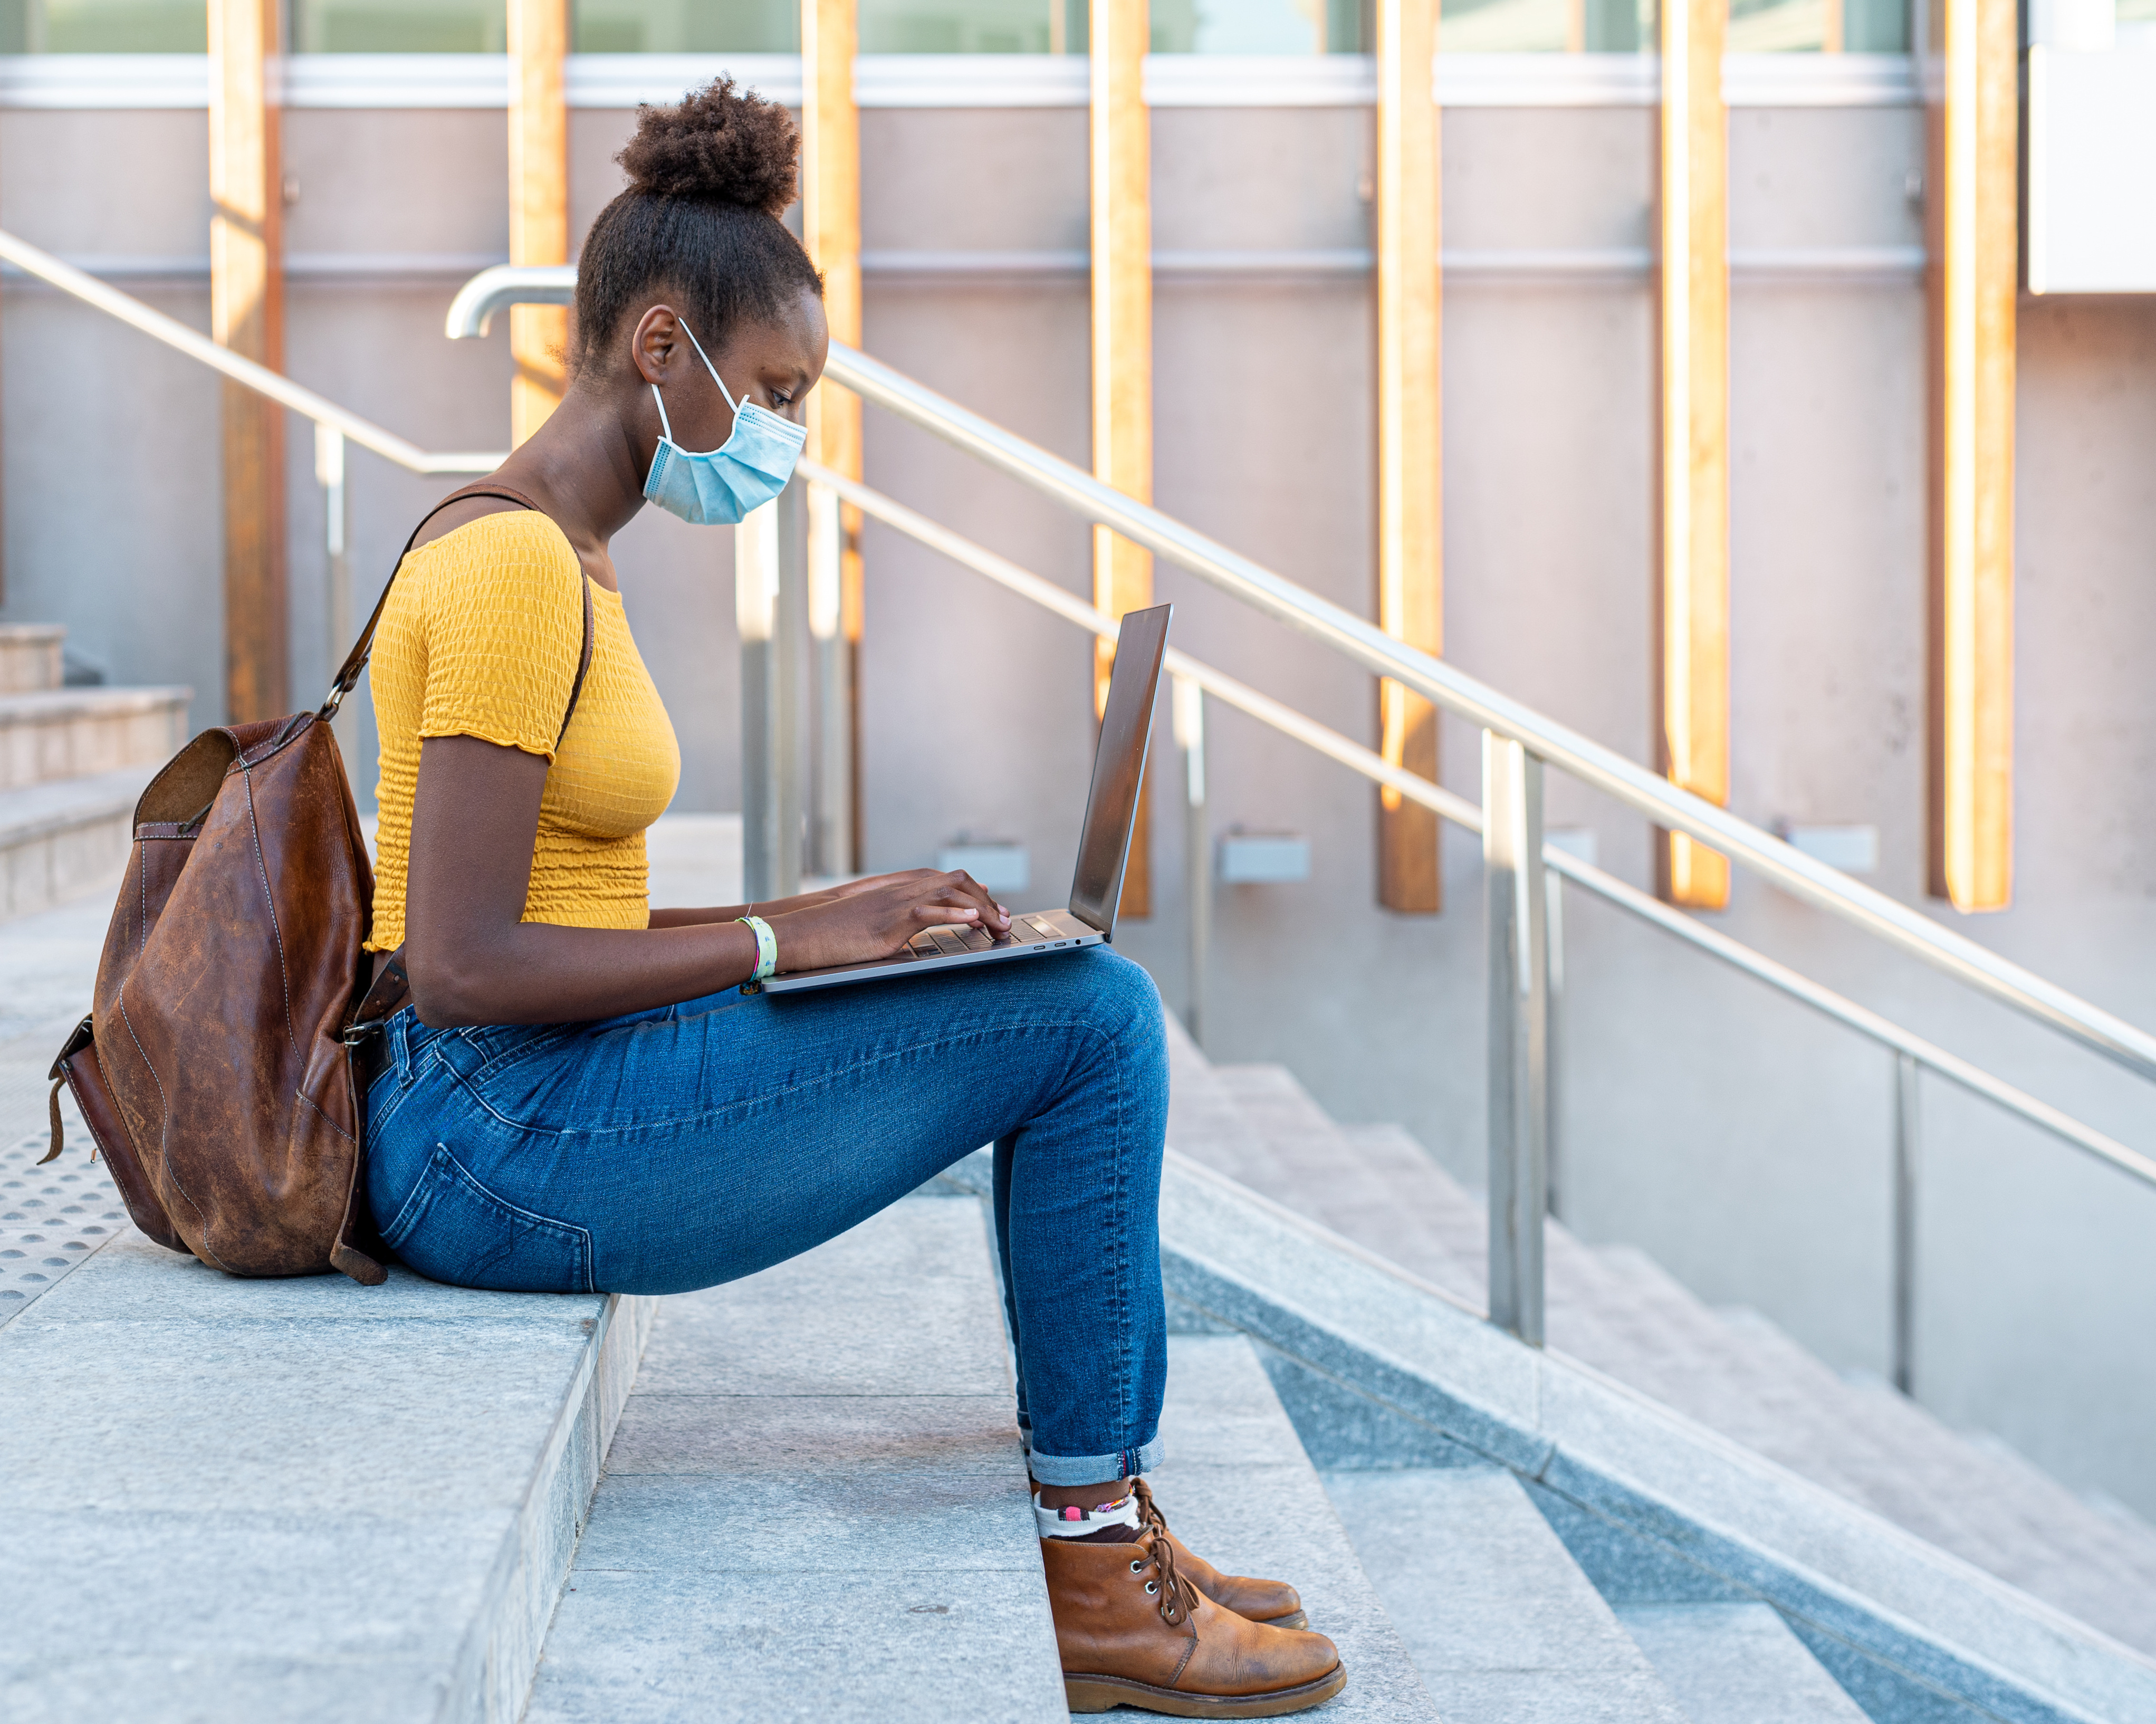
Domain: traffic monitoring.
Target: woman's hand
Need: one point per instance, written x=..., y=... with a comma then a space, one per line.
x=869, y=919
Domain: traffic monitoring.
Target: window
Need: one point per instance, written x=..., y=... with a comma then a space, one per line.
x=1545, y=26
x=1257, y=27
x=967, y=26
x=104, y=27
x=1834, y=26
x=687, y=26
x=1214, y=27
x=399, y=27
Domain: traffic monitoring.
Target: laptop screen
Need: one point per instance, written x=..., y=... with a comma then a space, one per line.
x=1118, y=766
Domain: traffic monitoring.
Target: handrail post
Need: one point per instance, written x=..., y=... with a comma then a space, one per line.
x=337, y=538
x=831, y=796
x=1189, y=719
x=1907, y=1146
x=1553, y=1043
x=1517, y=911
x=771, y=807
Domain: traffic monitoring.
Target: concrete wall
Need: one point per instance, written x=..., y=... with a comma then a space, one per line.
x=1742, y=1141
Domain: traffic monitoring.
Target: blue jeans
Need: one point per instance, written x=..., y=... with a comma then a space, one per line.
x=678, y=1148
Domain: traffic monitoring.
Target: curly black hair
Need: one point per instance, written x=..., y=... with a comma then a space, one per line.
x=709, y=180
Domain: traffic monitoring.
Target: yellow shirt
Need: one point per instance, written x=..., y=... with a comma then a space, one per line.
x=481, y=638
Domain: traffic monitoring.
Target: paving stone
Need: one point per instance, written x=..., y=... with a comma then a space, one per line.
x=1500, y=1621
x=1737, y=1664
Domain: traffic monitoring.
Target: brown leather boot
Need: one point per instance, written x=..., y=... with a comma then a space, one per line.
x=1273, y=1602
x=1134, y=1632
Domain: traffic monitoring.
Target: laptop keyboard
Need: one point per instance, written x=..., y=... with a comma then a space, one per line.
x=949, y=942
x=939, y=942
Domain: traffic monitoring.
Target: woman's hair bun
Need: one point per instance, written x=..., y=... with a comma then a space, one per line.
x=717, y=146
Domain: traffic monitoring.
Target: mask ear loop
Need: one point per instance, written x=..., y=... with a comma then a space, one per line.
x=732, y=406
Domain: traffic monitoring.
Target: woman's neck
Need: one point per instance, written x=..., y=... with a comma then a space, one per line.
x=582, y=466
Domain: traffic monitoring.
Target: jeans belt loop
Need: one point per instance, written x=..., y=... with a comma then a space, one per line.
x=400, y=1046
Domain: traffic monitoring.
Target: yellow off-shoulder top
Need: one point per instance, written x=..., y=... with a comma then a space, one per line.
x=481, y=638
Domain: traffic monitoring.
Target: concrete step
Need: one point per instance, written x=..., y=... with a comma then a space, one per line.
x=1615, y=1308
x=1238, y=1489
x=290, y=1499
x=816, y=1504
x=1500, y=1622
x=71, y=733
x=30, y=657
x=60, y=838
x=1737, y=1664
x=1378, y=1370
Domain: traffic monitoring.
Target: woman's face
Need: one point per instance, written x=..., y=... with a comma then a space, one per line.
x=774, y=363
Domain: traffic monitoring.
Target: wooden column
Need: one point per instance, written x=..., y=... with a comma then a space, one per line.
x=538, y=204
x=1121, y=162
x=1410, y=522
x=246, y=315
x=831, y=220
x=1974, y=240
x=1692, y=595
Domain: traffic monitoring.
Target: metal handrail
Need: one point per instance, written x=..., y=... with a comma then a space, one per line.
x=1462, y=812
x=492, y=289
x=471, y=312
x=278, y=387
x=1506, y=725
x=1604, y=768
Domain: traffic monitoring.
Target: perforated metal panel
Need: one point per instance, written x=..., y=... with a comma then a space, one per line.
x=51, y=1217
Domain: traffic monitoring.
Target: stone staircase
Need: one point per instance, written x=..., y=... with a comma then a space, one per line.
x=72, y=762
x=1614, y=1308
x=307, y=1498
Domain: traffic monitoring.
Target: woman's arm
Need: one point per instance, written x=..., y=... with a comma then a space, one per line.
x=473, y=959
x=769, y=907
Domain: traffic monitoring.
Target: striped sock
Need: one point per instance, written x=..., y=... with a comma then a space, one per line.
x=1116, y=1523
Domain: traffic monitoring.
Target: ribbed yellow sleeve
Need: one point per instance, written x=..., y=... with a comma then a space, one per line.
x=504, y=615
x=481, y=638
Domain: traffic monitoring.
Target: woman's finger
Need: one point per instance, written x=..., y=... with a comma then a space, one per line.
x=993, y=916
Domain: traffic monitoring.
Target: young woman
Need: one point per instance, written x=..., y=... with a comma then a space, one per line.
x=576, y=1096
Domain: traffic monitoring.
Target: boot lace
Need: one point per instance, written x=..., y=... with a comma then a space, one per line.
x=1148, y=1511
x=1178, y=1597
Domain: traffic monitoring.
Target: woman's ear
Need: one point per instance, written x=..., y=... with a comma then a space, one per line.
x=655, y=345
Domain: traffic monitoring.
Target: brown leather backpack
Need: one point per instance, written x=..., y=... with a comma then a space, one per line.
x=217, y=1069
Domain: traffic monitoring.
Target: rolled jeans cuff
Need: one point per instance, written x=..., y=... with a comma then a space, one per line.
x=1091, y=1469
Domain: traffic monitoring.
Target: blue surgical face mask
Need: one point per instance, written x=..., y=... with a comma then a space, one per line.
x=749, y=470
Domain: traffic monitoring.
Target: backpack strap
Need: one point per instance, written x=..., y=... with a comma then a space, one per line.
x=583, y=666
x=355, y=663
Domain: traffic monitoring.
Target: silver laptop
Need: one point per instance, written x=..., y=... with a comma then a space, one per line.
x=1104, y=846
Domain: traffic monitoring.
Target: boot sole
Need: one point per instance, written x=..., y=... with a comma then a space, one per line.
x=1293, y=1619
x=1101, y=1694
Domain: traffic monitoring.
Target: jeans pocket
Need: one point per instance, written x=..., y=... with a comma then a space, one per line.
x=452, y=1228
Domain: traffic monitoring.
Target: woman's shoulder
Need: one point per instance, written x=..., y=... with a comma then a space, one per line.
x=514, y=558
